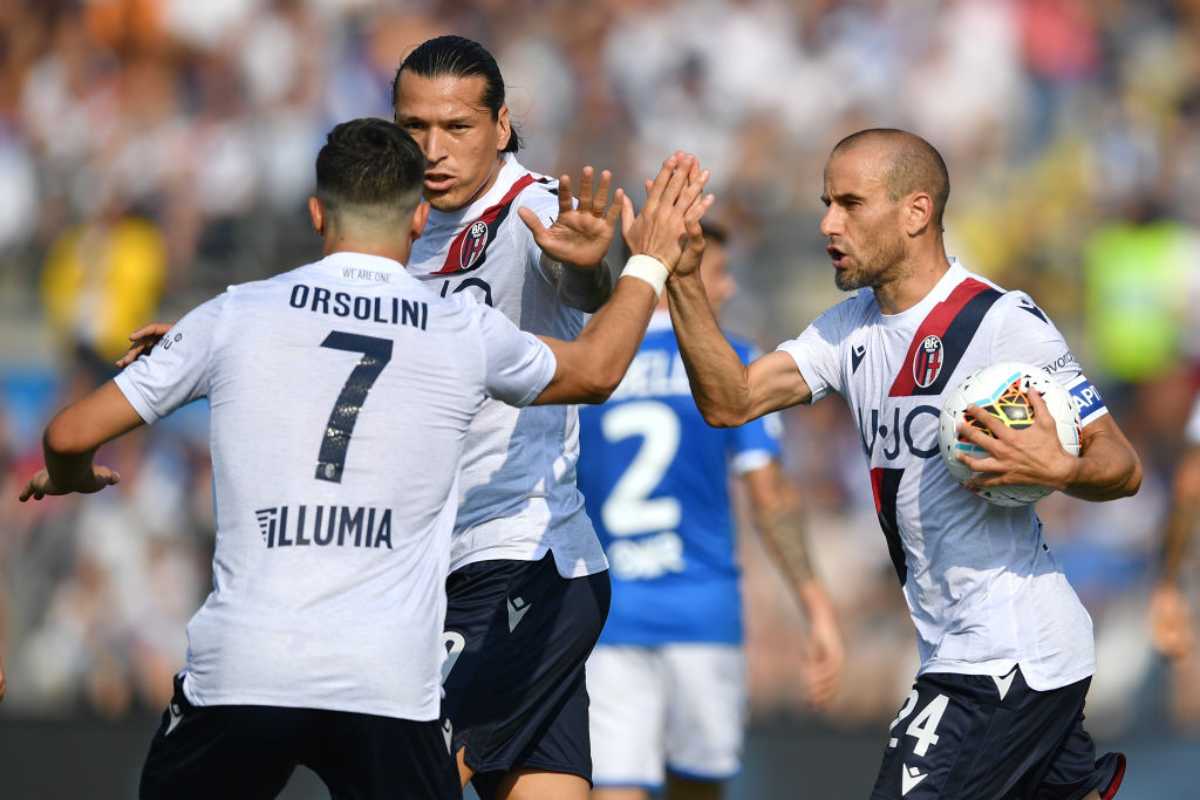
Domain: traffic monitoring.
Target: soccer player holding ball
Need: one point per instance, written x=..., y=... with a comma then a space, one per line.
x=1006, y=647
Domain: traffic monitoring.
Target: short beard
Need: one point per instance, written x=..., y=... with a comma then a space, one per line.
x=888, y=256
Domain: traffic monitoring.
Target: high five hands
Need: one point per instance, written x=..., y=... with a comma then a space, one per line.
x=668, y=227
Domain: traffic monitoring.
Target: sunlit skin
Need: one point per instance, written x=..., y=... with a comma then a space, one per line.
x=461, y=140
x=861, y=223
x=719, y=285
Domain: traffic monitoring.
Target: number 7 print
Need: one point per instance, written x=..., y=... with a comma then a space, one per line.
x=376, y=355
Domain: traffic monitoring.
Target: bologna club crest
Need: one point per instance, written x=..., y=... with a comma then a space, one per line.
x=927, y=363
x=474, y=245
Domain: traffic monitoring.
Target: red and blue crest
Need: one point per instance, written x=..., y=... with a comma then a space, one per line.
x=474, y=244
x=927, y=363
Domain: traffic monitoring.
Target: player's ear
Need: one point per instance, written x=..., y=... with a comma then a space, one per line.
x=505, y=126
x=317, y=212
x=419, y=218
x=918, y=213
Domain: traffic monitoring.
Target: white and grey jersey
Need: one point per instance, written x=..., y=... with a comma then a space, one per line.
x=983, y=587
x=341, y=394
x=519, y=497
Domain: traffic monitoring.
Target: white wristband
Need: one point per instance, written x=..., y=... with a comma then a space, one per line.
x=648, y=269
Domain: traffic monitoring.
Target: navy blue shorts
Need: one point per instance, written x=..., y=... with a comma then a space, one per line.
x=204, y=752
x=985, y=738
x=518, y=635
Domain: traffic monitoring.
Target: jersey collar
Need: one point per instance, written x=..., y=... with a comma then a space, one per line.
x=362, y=267
x=940, y=291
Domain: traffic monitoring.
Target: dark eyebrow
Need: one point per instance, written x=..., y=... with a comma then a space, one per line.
x=842, y=199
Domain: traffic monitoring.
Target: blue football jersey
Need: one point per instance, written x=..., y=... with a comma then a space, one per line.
x=655, y=478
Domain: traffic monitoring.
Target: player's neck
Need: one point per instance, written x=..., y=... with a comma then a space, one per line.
x=914, y=281
x=396, y=251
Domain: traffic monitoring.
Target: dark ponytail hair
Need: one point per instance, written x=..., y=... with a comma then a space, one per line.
x=459, y=57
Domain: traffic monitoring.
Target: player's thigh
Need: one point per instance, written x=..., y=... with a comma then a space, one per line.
x=1074, y=771
x=363, y=756
x=627, y=718
x=706, y=710
x=533, y=784
x=527, y=705
x=974, y=736
x=221, y=751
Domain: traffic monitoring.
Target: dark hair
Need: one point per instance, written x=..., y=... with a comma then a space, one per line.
x=459, y=57
x=370, y=162
x=915, y=166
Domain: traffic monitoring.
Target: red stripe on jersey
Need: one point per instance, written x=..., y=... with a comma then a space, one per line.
x=936, y=324
x=491, y=216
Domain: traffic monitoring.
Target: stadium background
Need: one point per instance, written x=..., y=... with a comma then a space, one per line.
x=153, y=151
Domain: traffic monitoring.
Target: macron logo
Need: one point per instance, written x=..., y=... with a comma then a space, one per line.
x=517, y=609
x=176, y=718
x=1003, y=682
x=910, y=777
x=856, y=357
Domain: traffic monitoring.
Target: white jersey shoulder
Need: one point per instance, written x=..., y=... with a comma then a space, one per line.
x=341, y=394
x=983, y=587
x=519, y=497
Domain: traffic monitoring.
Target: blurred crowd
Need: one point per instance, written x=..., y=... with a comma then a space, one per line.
x=152, y=151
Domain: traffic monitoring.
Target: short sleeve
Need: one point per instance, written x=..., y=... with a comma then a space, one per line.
x=1193, y=426
x=518, y=365
x=1025, y=333
x=178, y=369
x=818, y=351
x=757, y=443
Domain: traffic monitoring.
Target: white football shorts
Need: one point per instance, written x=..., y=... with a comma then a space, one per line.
x=677, y=707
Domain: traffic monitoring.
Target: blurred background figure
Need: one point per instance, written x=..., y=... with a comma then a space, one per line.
x=154, y=151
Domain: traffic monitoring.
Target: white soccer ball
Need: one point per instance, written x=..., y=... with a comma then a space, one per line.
x=1001, y=390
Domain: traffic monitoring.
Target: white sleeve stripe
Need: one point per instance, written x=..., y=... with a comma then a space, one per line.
x=750, y=460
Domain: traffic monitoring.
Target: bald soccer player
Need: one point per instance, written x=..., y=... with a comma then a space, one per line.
x=1006, y=646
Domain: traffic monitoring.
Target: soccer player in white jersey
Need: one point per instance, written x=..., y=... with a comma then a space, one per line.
x=1170, y=613
x=1006, y=646
x=341, y=396
x=528, y=588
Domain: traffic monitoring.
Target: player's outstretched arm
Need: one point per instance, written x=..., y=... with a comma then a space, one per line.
x=71, y=439
x=1107, y=467
x=578, y=238
x=780, y=523
x=727, y=392
x=589, y=368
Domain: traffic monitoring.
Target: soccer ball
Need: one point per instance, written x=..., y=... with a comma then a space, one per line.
x=1002, y=391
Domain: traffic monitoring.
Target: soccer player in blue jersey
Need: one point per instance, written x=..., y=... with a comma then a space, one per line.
x=667, y=679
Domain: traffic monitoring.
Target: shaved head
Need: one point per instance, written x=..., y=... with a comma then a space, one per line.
x=912, y=165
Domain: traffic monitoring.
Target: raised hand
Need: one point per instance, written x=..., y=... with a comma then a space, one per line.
x=581, y=234
x=40, y=484
x=143, y=341
x=674, y=201
x=1030, y=457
